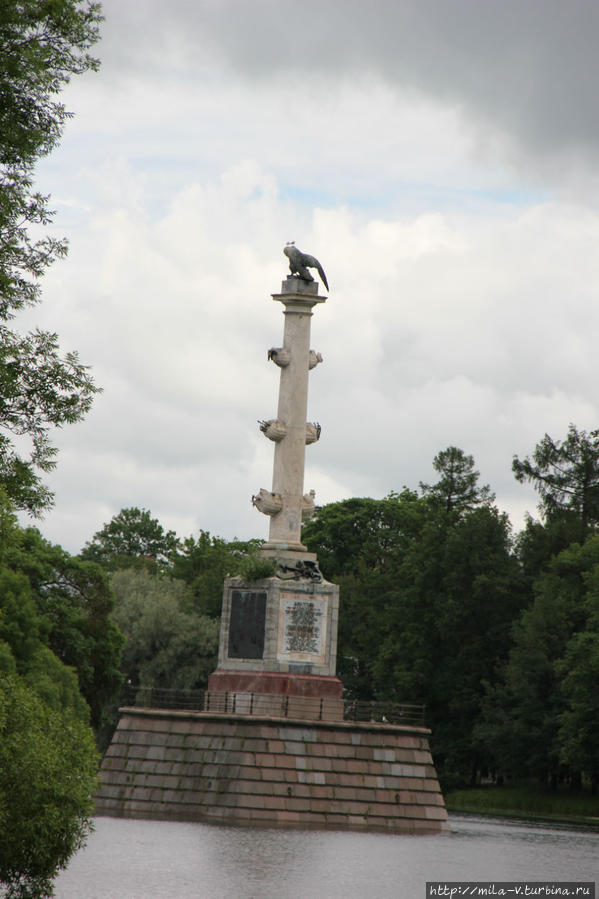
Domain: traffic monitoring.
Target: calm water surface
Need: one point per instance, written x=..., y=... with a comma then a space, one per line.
x=157, y=860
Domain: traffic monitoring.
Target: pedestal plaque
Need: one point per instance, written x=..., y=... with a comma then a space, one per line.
x=246, y=625
x=302, y=629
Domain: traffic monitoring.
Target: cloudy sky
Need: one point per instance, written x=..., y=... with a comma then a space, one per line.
x=440, y=158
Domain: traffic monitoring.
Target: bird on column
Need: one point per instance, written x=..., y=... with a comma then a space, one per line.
x=299, y=263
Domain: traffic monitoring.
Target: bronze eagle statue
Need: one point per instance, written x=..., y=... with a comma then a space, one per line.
x=299, y=263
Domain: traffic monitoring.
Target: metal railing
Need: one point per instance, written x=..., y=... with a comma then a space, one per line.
x=274, y=705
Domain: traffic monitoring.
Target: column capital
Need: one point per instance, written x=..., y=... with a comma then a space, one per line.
x=298, y=295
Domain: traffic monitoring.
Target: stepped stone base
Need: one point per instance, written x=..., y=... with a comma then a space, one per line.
x=237, y=769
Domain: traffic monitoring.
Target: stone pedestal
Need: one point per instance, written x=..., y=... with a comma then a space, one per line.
x=279, y=637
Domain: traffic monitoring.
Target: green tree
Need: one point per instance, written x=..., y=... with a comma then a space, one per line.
x=132, y=535
x=520, y=725
x=578, y=671
x=566, y=475
x=48, y=766
x=166, y=644
x=203, y=564
x=20, y=624
x=42, y=44
x=541, y=541
x=24, y=632
x=429, y=593
x=66, y=604
x=361, y=543
x=458, y=591
x=362, y=532
x=457, y=489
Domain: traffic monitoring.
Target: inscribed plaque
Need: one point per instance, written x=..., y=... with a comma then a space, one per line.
x=247, y=625
x=302, y=629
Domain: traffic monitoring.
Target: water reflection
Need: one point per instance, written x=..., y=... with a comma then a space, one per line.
x=161, y=860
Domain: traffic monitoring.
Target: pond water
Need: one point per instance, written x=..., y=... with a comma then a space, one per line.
x=127, y=859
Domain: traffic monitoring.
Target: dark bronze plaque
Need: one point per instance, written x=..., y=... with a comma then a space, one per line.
x=246, y=625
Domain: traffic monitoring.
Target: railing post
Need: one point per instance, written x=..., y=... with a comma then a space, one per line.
x=251, y=703
x=321, y=707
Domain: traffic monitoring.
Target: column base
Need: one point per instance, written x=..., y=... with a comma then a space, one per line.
x=279, y=683
x=287, y=551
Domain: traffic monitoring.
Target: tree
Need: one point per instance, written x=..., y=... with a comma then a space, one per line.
x=520, y=724
x=362, y=531
x=361, y=543
x=129, y=536
x=540, y=541
x=42, y=44
x=48, y=765
x=578, y=671
x=39, y=390
x=203, y=564
x=166, y=645
x=565, y=474
x=457, y=489
x=50, y=598
x=457, y=592
x=579, y=722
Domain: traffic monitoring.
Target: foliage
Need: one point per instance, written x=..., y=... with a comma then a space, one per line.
x=458, y=591
x=254, y=568
x=566, y=474
x=360, y=543
x=39, y=389
x=428, y=598
x=51, y=599
x=48, y=769
x=131, y=535
x=363, y=532
x=540, y=542
x=166, y=645
x=74, y=602
x=42, y=44
x=56, y=684
x=457, y=490
x=203, y=565
x=20, y=624
x=545, y=681
x=578, y=671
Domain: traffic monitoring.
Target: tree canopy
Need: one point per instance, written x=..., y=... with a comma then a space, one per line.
x=42, y=44
x=130, y=536
x=533, y=718
x=168, y=644
x=48, y=765
x=566, y=474
x=457, y=489
x=52, y=600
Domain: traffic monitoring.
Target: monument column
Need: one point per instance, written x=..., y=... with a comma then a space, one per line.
x=279, y=633
x=299, y=298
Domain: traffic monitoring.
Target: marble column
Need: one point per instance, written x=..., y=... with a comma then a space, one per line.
x=290, y=431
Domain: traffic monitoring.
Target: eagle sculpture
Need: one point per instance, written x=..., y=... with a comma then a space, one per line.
x=299, y=263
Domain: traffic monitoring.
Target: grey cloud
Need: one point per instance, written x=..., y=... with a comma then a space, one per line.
x=527, y=69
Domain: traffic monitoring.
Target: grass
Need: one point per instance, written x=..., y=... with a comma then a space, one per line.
x=527, y=801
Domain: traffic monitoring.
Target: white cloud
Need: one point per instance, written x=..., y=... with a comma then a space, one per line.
x=464, y=298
